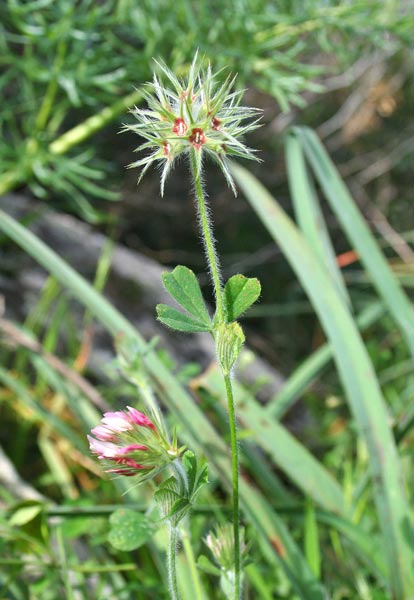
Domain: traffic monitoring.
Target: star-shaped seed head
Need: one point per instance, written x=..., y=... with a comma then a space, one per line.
x=194, y=117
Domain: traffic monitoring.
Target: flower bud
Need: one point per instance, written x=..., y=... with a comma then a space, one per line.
x=221, y=545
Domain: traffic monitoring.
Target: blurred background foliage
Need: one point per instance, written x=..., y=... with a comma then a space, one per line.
x=69, y=71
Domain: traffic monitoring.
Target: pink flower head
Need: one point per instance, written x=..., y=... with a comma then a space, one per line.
x=130, y=444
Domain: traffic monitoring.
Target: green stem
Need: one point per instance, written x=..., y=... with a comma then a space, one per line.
x=172, y=562
x=10, y=180
x=214, y=266
x=52, y=88
x=235, y=480
x=84, y=130
x=208, y=240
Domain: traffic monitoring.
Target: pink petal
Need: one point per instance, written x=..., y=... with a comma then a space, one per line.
x=127, y=472
x=129, y=462
x=139, y=418
x=119, y=414
x=103, y=433
x=117, y=421
x=132, y=448
x=103, y=449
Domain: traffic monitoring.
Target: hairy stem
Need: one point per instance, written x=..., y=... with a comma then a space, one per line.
x=208, y=240
x=172, y=562
x=214, y=267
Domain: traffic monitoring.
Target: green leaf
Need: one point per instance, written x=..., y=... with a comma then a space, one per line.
x=178, y=320
x=165, y=498
x=179, y=509
x=190, y=465
x=130, y=529
x=29, y=516
x=358, y=233
x=309, y=214
x=183, y=286
x=25, y=512
x=174, y=506
x=312, y=550
x=197, y=472
x=240, y=292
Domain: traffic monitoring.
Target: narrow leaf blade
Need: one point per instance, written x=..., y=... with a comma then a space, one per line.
x=312, y=550
x=309, y=214
x=358, y=377
x=286, y=452
x=358, y=233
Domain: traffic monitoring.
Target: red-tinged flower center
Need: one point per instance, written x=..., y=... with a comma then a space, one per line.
x=180, y=126
x=197, y=137
x=167, y=148
x=128, y=467
x=132, y=448
x=215, y=123
x=129, y=462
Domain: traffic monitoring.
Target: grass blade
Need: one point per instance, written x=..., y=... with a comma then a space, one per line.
x=358, y=233
x=312, y=366
x=309, y=215
x=312, y=550
x=359, y=380
x=286, y=452
x=195, y=429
